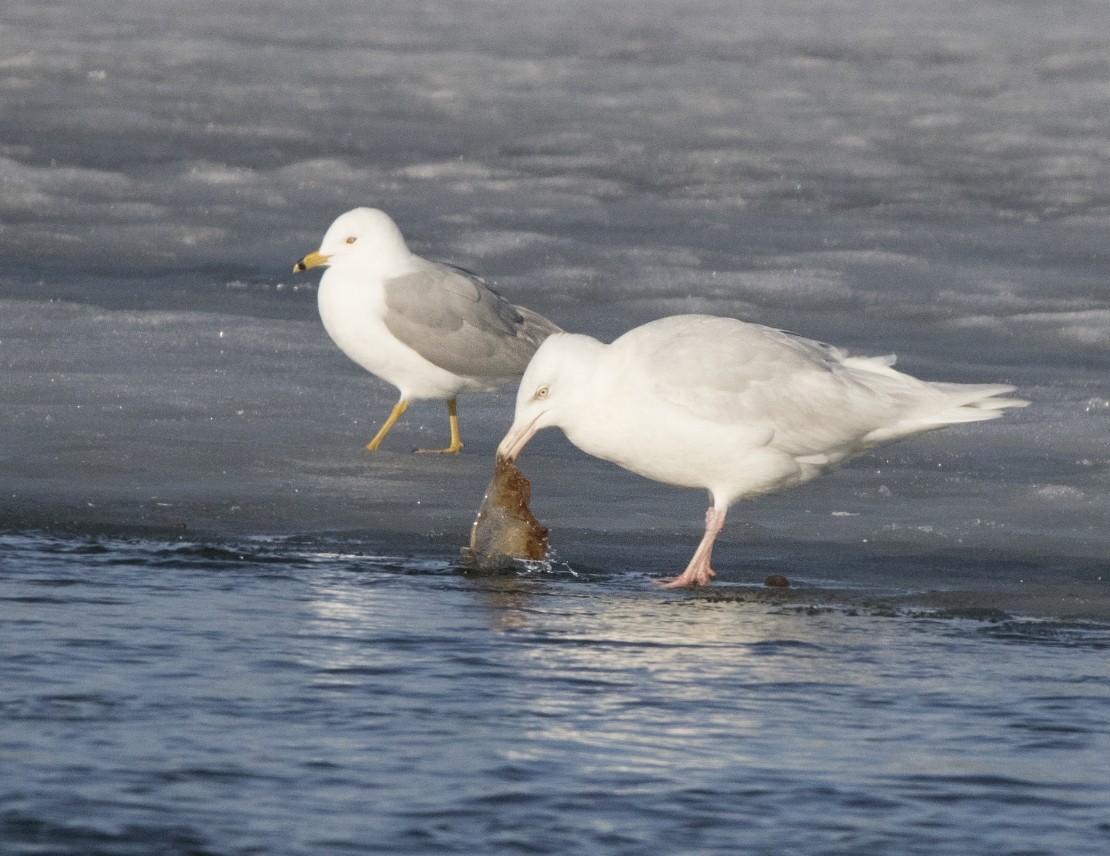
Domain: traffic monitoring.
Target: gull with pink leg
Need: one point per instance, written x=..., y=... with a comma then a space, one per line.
x=734, y=408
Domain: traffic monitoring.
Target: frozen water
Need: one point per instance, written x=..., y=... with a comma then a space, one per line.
x=927, y=181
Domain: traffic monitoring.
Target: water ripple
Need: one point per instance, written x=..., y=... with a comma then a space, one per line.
x=326, y=696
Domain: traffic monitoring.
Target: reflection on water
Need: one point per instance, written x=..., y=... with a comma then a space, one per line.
x=508, y=598
x=318, y=699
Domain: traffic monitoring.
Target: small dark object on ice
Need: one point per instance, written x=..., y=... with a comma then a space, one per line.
x=505, y=528
x=776, y=581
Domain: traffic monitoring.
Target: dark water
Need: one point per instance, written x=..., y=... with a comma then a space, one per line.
x=309, y=696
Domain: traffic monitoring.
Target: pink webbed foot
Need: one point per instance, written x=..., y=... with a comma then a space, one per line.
x=698, y=572
x=702, y=575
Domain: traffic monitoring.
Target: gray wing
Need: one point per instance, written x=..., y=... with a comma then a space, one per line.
x=455, y=321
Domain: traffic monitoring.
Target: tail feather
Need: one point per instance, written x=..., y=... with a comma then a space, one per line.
x=979, y=396
x=958, y=403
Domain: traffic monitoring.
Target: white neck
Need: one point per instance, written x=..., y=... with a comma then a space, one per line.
x=385, y=261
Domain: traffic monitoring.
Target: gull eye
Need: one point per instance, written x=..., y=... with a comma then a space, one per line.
x=541, y=393
x=351, y=239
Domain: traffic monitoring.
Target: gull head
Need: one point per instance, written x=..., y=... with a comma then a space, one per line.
x=363, y=237
x=550, y=390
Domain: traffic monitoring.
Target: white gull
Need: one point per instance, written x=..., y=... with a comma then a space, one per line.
x=735, y=408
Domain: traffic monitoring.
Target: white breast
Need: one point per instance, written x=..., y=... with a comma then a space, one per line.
x=352, y=313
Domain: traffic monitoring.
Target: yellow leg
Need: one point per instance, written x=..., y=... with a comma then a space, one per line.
x=456, y=441
x=398, y=411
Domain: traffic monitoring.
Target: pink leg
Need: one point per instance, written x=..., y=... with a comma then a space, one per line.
x=698, y=572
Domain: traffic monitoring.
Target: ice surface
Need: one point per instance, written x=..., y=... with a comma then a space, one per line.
x=932, y=180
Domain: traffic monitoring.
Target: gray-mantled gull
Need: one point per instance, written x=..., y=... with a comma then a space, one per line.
x=431, y=330
x=738, y=409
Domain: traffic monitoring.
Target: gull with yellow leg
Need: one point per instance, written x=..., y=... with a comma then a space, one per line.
x=431, y=330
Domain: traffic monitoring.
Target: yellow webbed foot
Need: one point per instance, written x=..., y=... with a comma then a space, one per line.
x=456, y=441
x=398, y=410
